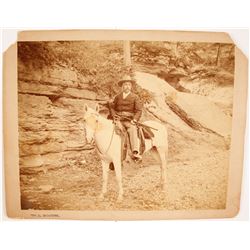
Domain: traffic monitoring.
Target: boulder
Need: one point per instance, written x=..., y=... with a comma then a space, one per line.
x=198, y=108
x=79, y=93
x=32, y=161
x=46, y=188
x=53, y=75
x=38, y=89
x=43, y=148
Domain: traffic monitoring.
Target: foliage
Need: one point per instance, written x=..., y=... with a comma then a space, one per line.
x=101, y=62
x=184, y=55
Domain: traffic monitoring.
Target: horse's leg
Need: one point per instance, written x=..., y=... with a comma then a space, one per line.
x=163, y=153
x=154, y=152
x=118, y=173
x=105, y=171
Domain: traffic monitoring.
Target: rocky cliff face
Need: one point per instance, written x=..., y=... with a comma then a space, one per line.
x=51, y=132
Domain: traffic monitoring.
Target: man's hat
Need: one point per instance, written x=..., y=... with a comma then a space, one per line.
x=125, y=79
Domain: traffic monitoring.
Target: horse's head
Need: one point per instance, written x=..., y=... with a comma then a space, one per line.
x=91, y=121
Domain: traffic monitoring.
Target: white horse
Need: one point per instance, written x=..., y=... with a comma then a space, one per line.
x=108, y=143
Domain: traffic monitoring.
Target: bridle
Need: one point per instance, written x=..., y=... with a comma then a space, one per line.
x=95, y=130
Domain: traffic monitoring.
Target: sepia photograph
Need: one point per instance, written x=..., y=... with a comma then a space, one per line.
x=121, y=125
x=124, y=125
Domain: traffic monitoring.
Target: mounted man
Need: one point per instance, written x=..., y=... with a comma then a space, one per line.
x=127, y=108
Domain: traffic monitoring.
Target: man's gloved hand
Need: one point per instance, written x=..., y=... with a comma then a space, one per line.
x=133, y=121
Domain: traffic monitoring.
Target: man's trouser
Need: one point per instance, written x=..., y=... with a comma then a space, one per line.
x=133, y=135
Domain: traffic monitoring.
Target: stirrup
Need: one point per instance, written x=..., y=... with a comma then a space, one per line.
x=137, y=157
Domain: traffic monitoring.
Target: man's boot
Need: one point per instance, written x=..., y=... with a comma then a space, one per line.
x=137, y=156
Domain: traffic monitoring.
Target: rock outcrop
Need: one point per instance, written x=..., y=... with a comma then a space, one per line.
x=51, y=132
x=195, y=110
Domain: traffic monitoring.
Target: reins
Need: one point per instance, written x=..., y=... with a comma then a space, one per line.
x=109, y=142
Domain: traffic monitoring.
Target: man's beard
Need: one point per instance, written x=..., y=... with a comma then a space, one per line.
x=126, y=90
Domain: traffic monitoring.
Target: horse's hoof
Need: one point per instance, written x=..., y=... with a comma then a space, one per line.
x=119, y=199
x=163, y=187
x=111, y=166
x=165, y=193
x=101, y=197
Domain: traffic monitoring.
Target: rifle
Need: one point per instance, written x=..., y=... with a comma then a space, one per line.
x=137, y=123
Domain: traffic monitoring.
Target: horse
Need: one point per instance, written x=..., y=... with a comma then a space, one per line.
x=101, y=131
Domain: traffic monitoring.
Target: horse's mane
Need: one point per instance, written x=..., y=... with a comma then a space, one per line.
x=101, y=116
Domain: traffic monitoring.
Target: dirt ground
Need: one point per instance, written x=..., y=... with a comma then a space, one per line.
x=195, y=182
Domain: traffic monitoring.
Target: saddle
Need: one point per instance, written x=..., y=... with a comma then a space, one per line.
x=143, y=133
x=148, y=134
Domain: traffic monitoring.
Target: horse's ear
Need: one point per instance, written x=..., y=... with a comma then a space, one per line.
x=86, y=107
x=97, y=108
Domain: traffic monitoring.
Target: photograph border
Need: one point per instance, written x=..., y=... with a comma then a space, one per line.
x=10, y=115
